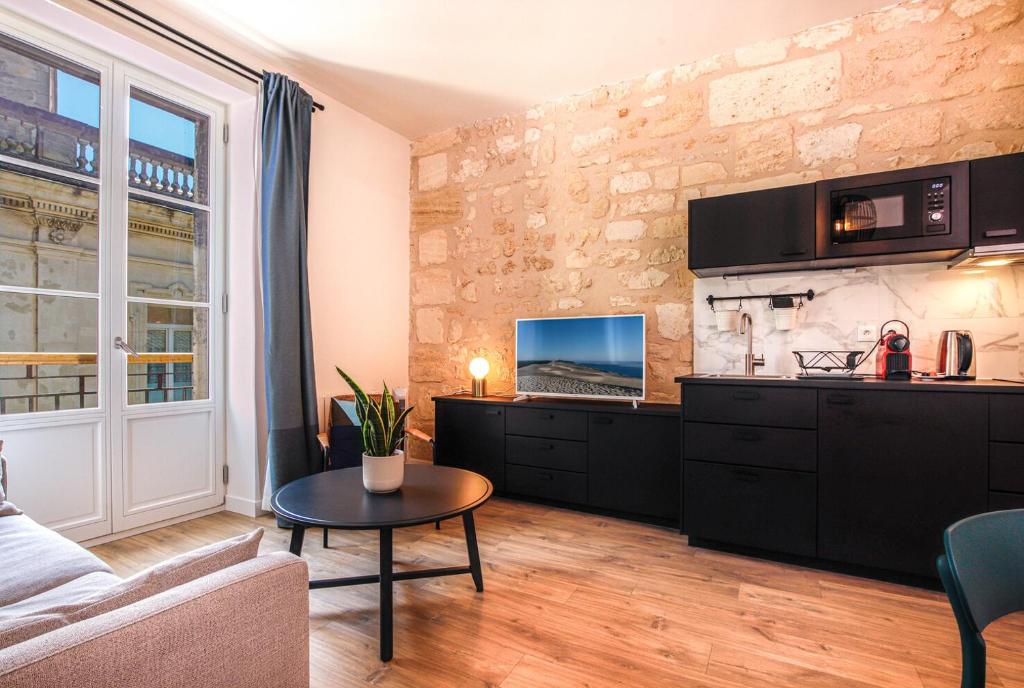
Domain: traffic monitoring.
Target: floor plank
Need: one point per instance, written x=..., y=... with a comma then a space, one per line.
x=579, y=600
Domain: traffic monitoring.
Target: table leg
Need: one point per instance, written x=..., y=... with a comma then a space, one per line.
x=326, y=530
x=298, y=532
x=474, y=552
x=386, y=599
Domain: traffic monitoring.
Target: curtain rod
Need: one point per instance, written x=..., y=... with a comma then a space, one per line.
x=185, y=41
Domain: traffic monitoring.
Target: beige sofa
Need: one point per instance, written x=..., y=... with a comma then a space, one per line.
x=244, y=626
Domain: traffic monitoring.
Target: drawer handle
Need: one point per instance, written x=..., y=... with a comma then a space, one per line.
x=548, y=447
x=746, y=396
x=990, y=233
x=748, y=476
x=545, y=476
x=493, y=412
x=839, y=399
x=746, y=435
x=793, y=253
x=603, y=420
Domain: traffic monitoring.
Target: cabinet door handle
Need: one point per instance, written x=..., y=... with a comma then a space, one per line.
x=1009, y=231
x=547, y=447
x=746, y=435
x=839, y=399
x=748, y=476
x=493, y=412
x=746, y=396
x=603, y=420
x=545, y=476
x=800, y=252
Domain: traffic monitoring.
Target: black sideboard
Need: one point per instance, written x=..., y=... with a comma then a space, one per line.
x=597, y=456
x=861, y=474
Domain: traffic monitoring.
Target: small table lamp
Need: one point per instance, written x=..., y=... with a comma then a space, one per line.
x=478, y=368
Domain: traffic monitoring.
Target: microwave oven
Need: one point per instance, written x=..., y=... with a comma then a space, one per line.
x=920, y=209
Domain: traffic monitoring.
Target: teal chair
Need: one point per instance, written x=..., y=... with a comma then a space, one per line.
x=983, y=574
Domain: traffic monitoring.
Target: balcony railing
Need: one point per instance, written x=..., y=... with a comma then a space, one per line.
x=66, y=144
x=165, y=381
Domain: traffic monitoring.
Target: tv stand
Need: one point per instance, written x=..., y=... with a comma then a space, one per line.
x=617, y=457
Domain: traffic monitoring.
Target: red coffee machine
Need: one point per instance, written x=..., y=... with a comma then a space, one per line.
x=893, y=360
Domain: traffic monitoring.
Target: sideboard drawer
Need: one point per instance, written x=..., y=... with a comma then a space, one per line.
x=752, y=446
x=783, y=407
x=565, y=455
x=553, y=423
x=546, y=483
x=1006, y=467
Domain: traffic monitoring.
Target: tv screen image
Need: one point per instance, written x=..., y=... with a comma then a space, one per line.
x=597, y=356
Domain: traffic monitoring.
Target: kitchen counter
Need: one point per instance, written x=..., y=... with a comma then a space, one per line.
x=872, y=383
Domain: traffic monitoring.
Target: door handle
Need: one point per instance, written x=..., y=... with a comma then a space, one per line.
x=990, y=233
x=121, y=344
x=545, y=476
x=839, y=399
x=603, y=420
x=493, y=412
x=793, y=253
x=746, y=396
x=746, y=435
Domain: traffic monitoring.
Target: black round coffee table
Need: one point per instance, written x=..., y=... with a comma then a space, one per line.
x=430, y=494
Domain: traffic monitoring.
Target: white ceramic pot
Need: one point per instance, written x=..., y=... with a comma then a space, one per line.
x=785, y=318
x=383, y=474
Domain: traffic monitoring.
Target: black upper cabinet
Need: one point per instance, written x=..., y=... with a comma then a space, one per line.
x=754, y=228
x=634, y=464
x=997, y=200
x=472, y=436
x=894, y=470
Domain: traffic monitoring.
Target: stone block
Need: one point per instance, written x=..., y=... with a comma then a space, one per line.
x=433, y=247
x=673, y=320
x=630, y=182
x=909, y=129
x=763, y=147
x=432, y=171
x=809, y=83
x=432, y=287
x=625, y=230
x=430, y=326
x=831, y=143
x=702, y=173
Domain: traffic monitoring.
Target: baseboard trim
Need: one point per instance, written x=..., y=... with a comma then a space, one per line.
x=241, y=505
x=146, y=528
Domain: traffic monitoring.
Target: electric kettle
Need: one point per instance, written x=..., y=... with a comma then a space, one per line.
x=955, y=358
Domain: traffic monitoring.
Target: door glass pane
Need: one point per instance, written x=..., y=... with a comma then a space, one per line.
x=168, y=147
x=168, y=250
x=49, y=232
x=173, y=361
x=49, y=109
x=48, y=350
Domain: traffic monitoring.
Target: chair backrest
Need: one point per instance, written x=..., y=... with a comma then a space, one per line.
x=985, y=555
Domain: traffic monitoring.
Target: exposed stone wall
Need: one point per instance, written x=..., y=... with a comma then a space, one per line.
x=578, y=206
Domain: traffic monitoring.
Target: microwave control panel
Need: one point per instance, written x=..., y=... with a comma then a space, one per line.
x=936, y=207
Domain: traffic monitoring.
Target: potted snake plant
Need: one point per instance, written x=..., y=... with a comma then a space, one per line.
x=383, y=429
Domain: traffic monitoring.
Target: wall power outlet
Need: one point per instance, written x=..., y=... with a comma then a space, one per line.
x=866, y=332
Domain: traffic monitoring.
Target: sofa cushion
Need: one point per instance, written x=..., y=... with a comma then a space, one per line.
x=36, y=559
x=6, y=508
x=166, y=575
x=70, y=593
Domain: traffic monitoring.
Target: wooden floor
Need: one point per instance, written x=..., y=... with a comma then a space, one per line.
x=579, y=600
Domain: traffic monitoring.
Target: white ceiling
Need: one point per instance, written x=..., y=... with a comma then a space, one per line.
x=419, y=66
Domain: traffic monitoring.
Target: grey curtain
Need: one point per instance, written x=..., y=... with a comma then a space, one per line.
x=292, y=447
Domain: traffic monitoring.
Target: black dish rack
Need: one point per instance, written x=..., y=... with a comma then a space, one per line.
x=828, y=363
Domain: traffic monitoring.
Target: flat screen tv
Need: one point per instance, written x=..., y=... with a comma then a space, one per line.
x=598, y=356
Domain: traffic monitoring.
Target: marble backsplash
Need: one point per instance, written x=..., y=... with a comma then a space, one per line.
x=927, y=297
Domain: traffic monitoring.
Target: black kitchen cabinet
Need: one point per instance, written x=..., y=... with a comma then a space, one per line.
x=997, y=202
x=752, y=507
x=634, y=464
x=605, y=456
x=753, y=228
x=472, y=436
x=895, y=468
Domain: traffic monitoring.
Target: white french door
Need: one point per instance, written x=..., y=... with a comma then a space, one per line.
x=111, y=269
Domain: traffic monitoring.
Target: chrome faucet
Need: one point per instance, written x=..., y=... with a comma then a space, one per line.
x=750, y=361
